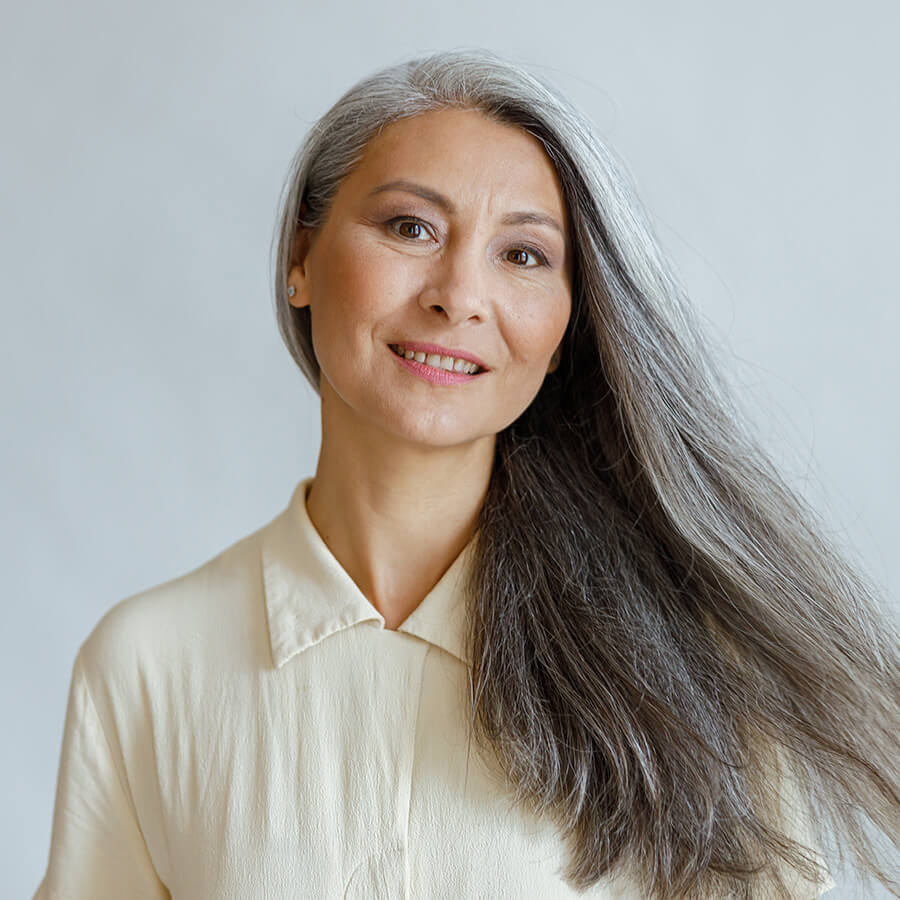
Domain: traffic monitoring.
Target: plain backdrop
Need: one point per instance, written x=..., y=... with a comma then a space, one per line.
x=151, y=415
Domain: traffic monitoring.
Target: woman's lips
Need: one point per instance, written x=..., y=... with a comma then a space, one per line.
x=430, y=373
x=419, y=347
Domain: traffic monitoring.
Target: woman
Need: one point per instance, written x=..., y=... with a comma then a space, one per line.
x=545, y=622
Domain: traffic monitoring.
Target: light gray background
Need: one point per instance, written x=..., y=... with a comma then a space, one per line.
x=151, y=416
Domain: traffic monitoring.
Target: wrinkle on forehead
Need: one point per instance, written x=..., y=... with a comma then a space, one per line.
x=481, y=164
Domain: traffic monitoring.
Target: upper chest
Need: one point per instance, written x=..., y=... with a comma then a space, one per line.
x=349, y=771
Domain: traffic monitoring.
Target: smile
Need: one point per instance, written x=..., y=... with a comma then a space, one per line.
x=435, y=361
x=434, y=368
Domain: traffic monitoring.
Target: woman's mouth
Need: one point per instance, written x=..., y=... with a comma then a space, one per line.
x=436, y=368
x=436, y=361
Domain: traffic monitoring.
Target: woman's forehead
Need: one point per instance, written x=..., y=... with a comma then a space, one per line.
x=462, y=154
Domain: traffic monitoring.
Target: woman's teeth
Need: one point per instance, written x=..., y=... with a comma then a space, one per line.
x=436, y=361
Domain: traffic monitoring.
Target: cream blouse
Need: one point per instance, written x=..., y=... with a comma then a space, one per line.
x=252, y=730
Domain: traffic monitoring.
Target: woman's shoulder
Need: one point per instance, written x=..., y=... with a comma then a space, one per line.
x=205, y=612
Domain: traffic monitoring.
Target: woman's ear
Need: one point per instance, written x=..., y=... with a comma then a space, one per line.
x=298, y=276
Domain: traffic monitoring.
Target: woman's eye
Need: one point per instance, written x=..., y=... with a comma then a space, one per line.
x=411, y=229
x=528, y=251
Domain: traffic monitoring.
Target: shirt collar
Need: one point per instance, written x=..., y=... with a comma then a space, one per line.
x=310, y=596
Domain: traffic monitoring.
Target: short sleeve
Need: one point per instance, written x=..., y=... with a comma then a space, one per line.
x=799, y=827
x=97, y=850
x=801, y=887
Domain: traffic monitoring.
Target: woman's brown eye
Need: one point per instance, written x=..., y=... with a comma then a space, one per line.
x=534, y=253
x=400, y=224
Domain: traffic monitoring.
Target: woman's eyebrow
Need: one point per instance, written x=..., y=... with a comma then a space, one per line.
x=530, y=217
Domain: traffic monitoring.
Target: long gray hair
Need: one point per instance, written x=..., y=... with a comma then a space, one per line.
x=655, y=618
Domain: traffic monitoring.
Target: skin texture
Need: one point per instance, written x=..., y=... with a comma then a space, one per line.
x=404, y=463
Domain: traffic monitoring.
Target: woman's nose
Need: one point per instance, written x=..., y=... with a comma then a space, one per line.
x=456, y=285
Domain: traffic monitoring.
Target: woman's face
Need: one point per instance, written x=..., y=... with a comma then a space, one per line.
x=451, y=231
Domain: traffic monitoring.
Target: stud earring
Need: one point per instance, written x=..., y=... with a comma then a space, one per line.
x=291, y=290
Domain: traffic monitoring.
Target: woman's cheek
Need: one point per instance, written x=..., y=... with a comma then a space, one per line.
x=370, y=279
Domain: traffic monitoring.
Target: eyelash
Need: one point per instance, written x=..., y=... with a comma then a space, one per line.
x=537, y=254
